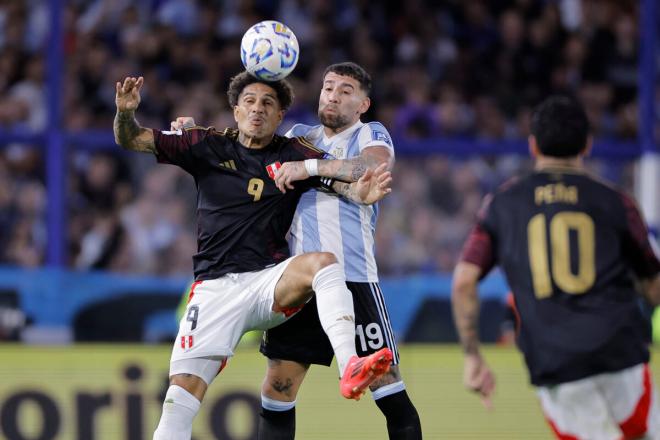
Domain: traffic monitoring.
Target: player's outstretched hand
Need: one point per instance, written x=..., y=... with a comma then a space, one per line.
x=182, y=122
x=374, y=184
x=478, y=377
x=288, y=173
x=127, y=95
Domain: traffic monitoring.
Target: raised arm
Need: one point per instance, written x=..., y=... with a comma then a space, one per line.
x=347, y=170
x=128, y=132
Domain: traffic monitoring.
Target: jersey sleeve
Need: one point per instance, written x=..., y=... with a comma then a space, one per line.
x=479, y=248
x=296, y=130
x=638, y=249
x=374, y=134
x=176, y=147
x=302, y=149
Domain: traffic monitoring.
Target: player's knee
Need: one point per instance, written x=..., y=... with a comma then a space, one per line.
x=323, y=259
x=280, y=390
x=191, y=383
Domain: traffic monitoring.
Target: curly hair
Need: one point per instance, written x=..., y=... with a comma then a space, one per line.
x=239, y=82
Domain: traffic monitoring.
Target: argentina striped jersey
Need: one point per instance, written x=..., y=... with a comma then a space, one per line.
x=329, y=223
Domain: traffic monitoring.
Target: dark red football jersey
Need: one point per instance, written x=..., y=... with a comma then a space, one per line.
x=242, y=218
x=570, y=247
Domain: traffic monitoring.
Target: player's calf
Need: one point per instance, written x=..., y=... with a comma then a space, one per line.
x=179, y=410
x=185, y=394
x=277, y=420
x=402, y=418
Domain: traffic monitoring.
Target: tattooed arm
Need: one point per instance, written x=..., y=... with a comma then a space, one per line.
x=346, y=170
x=130, y=135
x=370, y=188
x=128, y=132
x=477, y=375
x=465, y=305
x=348, y=191
x=350, y=170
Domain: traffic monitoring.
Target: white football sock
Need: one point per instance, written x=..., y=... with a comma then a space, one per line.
x=335, y=308
x=388, y=390
x=179, y=410
x=276, y=405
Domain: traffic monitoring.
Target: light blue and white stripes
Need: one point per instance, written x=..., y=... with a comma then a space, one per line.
x=328, y=223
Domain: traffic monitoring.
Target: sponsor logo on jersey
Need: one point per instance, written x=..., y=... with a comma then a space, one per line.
x=229, y=164
x=272, y=169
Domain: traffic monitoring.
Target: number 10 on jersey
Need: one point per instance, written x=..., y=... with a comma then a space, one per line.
x=561, y=226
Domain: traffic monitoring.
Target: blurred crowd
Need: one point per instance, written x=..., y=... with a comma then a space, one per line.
x=441, y=68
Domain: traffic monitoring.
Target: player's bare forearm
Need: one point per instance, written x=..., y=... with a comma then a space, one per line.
x=130, y=135
x=350, y=170
x=465, y=305
x=373, y=186
x=347, y=170
x=466, y=317
x=348, y=191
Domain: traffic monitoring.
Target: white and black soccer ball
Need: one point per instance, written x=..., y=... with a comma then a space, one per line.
x=269, y=50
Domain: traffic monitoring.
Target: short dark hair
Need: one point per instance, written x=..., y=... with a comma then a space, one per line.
x=560, y=126
x=282, y=88
x=353, y=70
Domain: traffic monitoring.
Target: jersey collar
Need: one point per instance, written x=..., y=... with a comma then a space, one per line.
x=561, y=169
x=344, y=135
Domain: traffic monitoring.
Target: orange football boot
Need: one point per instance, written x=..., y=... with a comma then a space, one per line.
x=362, y=371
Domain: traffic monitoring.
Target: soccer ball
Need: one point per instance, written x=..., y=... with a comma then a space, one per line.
x=269, y=50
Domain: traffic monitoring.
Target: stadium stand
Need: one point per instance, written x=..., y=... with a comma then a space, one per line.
x=458, y=70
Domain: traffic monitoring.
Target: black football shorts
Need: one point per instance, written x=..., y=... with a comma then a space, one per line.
x=303, y=340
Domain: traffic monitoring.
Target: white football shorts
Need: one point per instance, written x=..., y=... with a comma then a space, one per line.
x=220, y=311
x=621, y=405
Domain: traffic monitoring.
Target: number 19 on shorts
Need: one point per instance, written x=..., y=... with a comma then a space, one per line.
x=370, y=335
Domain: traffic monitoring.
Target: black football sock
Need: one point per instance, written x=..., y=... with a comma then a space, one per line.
x=277, y=425
x=401, y=415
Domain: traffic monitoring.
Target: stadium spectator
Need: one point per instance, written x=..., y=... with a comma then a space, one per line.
x=444, y=69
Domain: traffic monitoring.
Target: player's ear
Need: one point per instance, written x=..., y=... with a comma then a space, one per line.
x=235, y=113
x=364, y=106
x=533, y=146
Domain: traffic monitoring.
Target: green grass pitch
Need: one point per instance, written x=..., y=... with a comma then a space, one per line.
x=433, y=376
